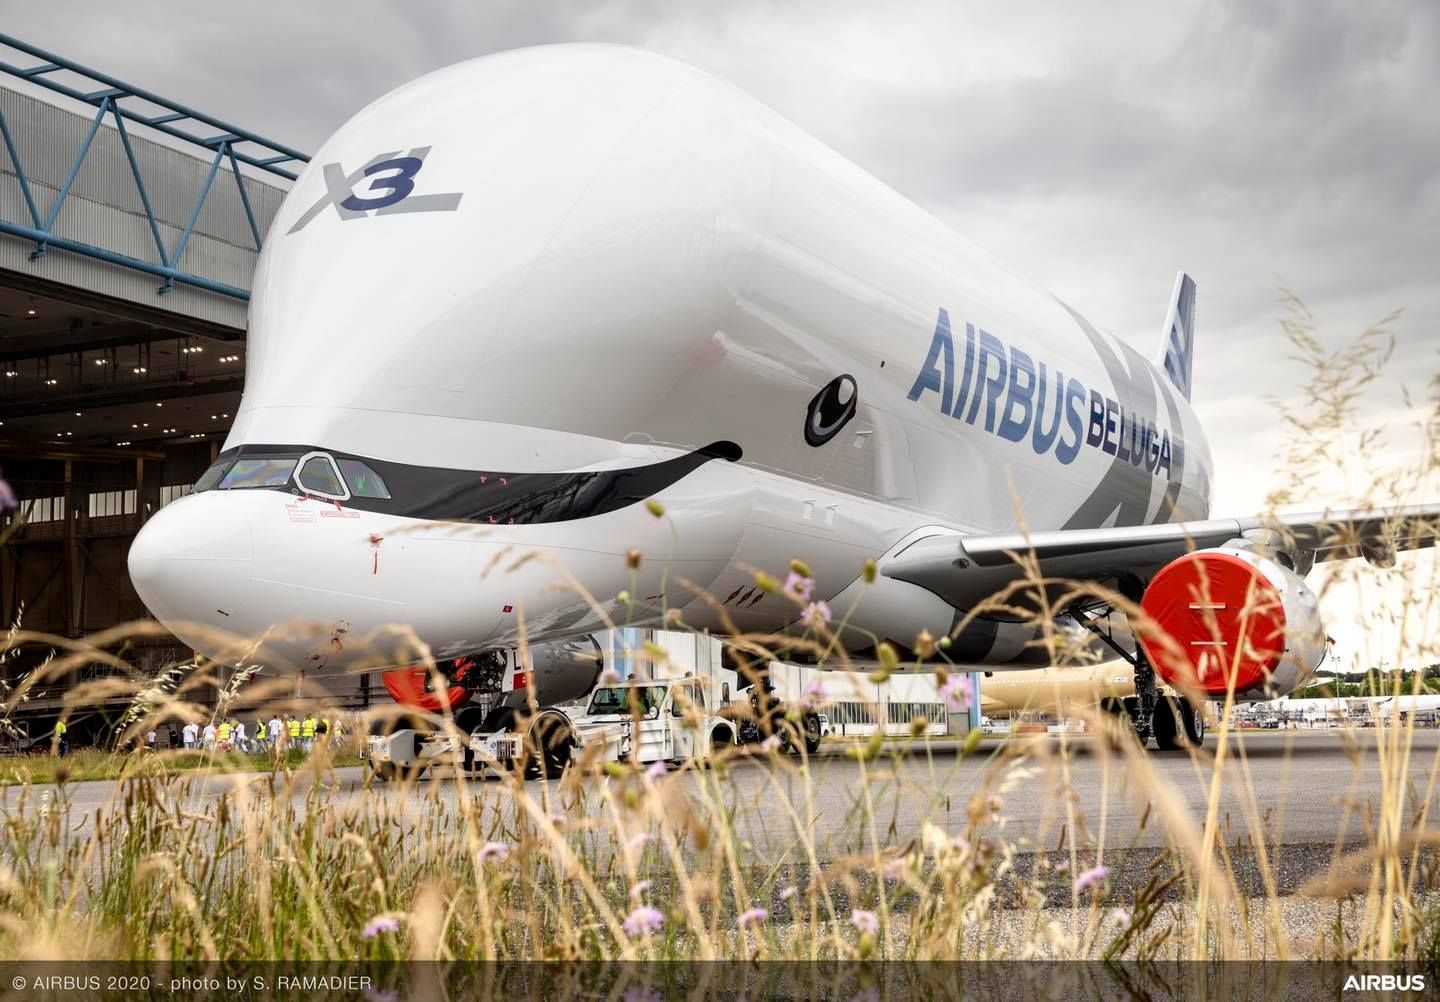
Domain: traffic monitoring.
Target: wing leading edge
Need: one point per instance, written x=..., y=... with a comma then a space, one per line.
x=968, y=570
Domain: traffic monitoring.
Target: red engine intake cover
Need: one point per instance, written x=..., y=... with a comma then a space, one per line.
x=1223, y=617
x=407, y=687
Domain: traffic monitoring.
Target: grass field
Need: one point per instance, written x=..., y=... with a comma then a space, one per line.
x=94, y=764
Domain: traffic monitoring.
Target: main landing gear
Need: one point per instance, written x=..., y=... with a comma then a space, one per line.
x=1171, y=720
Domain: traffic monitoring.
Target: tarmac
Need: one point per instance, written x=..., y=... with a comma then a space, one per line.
x=1297, y=799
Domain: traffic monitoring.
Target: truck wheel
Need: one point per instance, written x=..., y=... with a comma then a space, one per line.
x=720, y=738
x=810, y=723
x=547, y=748
x=384, y=771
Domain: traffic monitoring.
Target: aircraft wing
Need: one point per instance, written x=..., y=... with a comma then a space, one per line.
x=966, y=570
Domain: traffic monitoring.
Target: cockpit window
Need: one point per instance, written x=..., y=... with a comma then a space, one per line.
x=318, y=476
x=257, y=473
x=211, y=477
x=364, y=482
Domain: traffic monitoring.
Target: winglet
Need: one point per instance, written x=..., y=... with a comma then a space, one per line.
x=1178, y=341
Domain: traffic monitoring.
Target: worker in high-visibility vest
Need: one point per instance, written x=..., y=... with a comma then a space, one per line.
x=223, y=734
x=292, y=730
x=60, y=745
x=307, y=732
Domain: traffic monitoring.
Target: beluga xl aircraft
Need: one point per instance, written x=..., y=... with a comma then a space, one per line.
x=512, y=302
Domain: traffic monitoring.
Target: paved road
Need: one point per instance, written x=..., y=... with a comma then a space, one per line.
x=1307, y=787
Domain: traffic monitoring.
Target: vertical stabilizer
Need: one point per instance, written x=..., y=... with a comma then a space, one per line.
x=1177, y=349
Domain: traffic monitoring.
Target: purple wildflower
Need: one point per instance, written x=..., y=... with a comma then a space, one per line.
x=498, y=851
x=752, y=917
x=956, y=694
x=770, y=744
x=609, y=676
x=1089, y=878
x=656, y=770
x=643, y=921
x=637, y=841
x=814, y=696
x=865, y=921
x=816, y=615
x=788, y=893
x=798, y=586
x=379, y=924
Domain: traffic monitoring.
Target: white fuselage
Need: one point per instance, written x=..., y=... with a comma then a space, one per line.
x=623, y=261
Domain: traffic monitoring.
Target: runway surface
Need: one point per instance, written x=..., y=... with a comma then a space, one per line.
x=1300, y=793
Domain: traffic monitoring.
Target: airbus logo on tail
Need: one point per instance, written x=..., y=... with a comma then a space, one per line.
x=390, y=190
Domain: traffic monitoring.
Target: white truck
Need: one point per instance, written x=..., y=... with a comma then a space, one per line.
x=665, y=720
x=644, y=721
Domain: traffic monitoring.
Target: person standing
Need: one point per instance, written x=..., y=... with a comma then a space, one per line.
x=59, y=744
x=307, y=732
x=237, y=731
x=151, y=738
x=209, y=736
x=190, y=735
x=274, y=727
x=292, y=730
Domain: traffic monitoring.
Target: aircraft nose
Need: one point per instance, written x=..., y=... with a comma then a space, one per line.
x=191, y=566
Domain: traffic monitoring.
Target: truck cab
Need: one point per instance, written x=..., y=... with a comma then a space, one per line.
x=639, y=721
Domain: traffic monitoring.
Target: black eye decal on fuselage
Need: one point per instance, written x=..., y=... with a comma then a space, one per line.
x=831, y=409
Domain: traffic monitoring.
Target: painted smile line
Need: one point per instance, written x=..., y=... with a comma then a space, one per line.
x=493, y=498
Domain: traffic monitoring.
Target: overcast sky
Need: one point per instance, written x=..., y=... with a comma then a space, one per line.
x=1095, y=148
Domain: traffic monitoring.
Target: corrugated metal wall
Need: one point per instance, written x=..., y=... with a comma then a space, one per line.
x=104, y=209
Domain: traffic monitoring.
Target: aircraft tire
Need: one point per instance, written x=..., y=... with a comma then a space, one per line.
x=1167, y=726
x=1118, y=724
x=1192, y=724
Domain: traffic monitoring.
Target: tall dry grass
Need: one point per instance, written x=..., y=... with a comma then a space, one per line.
x=1028, y=847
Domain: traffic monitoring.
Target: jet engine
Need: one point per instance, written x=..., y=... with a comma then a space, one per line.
x=1230, y=617
x=555, y=672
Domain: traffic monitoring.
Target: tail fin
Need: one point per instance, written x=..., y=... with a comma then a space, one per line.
x=1178, y=347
